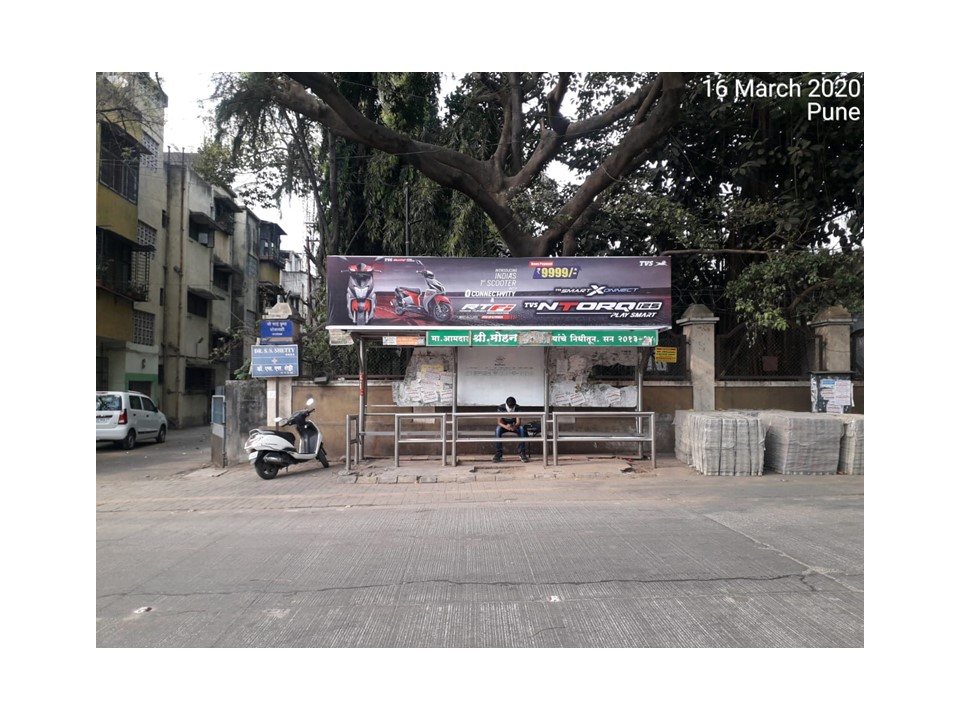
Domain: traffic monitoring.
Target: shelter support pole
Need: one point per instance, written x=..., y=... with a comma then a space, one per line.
x=362, y=422
x=643, y=357
x=546, y=401
x=453, y=436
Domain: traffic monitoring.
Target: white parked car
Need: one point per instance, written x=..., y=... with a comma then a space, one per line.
x=126, y=417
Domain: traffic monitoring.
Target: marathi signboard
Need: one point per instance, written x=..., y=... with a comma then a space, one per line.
x=276, y=331
x=274, y=361
x=499, y=337
x=532, y=293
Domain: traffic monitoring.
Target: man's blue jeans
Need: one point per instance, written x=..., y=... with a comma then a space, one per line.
x=521, y=431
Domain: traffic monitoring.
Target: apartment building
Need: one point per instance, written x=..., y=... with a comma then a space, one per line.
x=130, y=214
x=184, y=271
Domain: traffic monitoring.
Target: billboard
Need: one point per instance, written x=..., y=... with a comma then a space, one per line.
x=431, y=292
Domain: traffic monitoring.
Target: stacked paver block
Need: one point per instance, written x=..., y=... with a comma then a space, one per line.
x=799, y=443
x=720, y=442
x=851, y=444
x=681, y=422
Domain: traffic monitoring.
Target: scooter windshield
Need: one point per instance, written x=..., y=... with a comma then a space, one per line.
x=363, y=279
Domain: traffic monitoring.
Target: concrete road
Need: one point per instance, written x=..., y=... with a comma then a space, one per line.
x=183, y=452
x=595, y=553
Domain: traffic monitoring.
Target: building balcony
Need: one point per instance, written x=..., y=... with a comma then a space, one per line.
x=138, y=292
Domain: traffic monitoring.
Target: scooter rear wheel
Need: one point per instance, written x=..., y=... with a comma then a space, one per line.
x=266, y=470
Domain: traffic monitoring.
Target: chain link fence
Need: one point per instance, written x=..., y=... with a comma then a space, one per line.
x=383, y=363
x=789, y=355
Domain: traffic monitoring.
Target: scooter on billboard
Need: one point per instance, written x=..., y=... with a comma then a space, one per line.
x=431, y=302
x=361, y=299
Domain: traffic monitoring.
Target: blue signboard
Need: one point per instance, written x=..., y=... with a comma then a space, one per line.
x=276, y=331
x=275, y=361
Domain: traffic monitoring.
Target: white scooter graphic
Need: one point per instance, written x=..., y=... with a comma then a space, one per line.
x=270, y=450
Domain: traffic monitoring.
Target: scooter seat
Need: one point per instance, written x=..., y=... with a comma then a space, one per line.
x=288, y=436
x=415, y=291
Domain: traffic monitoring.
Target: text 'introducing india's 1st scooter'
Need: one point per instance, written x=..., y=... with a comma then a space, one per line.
x=270, y=450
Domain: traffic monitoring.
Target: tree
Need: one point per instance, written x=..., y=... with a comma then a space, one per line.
x=760, y=205
x=532, y=131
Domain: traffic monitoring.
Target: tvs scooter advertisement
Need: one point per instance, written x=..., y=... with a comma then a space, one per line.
x=404, y=292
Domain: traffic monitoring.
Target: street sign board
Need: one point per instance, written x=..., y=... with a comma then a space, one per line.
x=448, y=337
x=276, y=331
x=275, y=361
x=665, y=354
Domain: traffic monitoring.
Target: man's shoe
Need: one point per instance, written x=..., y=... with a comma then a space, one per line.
x=524, y=458
x=498, y=458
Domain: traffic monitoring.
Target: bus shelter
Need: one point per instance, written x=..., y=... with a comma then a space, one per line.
x=487, y=328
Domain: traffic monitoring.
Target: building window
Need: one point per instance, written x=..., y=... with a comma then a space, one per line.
x=119, y=163
x=143, y=327
x=198, y=380
x=221, y=280
x=196, y=305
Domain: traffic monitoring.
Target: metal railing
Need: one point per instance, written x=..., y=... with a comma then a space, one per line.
x=551, y=432
x=455, y=431
x=560, y=435
x=421, y=435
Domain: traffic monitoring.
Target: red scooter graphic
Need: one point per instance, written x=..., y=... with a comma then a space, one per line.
x=430, y=302
x=361, y=299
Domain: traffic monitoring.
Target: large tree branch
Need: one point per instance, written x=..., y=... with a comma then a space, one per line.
x=561, y=129
x=348, y=121
x=616, y=165
x=716, y=251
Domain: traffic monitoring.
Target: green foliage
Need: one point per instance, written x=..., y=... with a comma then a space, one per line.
x=771, y=199
x=791, y=288
x=760, y=207
x=214, y=164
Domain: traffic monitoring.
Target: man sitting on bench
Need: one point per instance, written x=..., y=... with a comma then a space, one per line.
x=511, y=425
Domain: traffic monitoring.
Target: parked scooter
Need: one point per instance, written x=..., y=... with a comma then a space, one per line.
x=430, y=302
x=270, y=450
x=361, y=299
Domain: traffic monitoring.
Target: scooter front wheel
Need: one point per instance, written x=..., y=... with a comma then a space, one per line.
x=268, y=471
x=322, y=457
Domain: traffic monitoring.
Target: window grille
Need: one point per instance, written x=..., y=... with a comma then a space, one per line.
x=143, y=327
x=149, y=161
